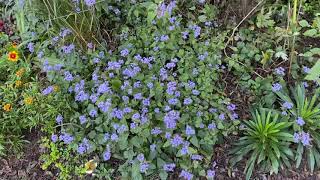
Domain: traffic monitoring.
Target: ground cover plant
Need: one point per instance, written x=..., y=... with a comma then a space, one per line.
x=151, y=89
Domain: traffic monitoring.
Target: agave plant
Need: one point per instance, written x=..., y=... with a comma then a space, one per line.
x=305, y=112
x=265, y=142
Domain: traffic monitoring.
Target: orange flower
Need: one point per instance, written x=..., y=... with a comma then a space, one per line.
x=13, y=56
x=7, y=107
x=55, y=88
x=28, y=100
x=20, y=72
x=18, y=83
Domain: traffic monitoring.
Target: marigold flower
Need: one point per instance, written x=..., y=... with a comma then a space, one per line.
x=20, y=72
x=28, y=100
x=13, y=56
x=91, y=166
x=18, y=83
x=55, y=88
x=7, y=107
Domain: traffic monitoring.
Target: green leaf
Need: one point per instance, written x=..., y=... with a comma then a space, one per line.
x=311, y=160
x=310, y=32
x=195, y=141
x=202, y=18
x=304, y=23
x=314, y=72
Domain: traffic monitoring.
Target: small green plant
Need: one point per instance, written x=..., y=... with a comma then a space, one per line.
x=265, y=141
x=305, y=112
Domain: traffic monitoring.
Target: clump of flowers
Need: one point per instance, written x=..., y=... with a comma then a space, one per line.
x=153, y=96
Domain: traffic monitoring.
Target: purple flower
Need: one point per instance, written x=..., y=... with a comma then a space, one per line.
x=68, y=76
x=31, y=47
x=81, y=149
x=122, y=129
x=59, y=119
x=140, y=157
x=190, y=130
x=138, y=96
x=196, y=157
x=64, y=32
x=156, y=131
x=127, y=110
x=211, y=173
x=150, y=85
x=48, y=90
x=82, y=96
x=114, y=65
x=287, y=105
x=107, y=154
x=300, y=121
x=276, y=87
x=185, y=34
x=173, y=101
x=186, y=175
x=93, y=113
x=93, y=98
x=176, y=140
x=234, y=116
x=187, y=101
x=90, y=2
x=171, y=87
x=305, y=139
x=66, y=138
x=125, y=99
x=90, y=45
x=54, y=138
x=144, y=167
x=231, y=107
x=133, y=125
x=106, y=137
x=280, y=71
x=305, y=84
x=164, y=38
x=195, y=92
x=104, y=106
x=212, y=110
x=68, y=49
x=117, y=113
x=169, y=167
x=185, y=150
x=296, y=137
x=146, y=102
x=170, y=119
x=124, y=52
x=170, y=65
x=136, y=116
x=96, y=60
x=157, y=110
x=114, y=137
x=212, y=126
x=104, y=88
x=167, y=135
x=306, y=69
x=221, y=117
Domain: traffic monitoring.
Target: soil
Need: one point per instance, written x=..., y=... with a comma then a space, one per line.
x=26, y=166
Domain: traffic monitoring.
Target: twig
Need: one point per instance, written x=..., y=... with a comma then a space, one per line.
x=235, y=29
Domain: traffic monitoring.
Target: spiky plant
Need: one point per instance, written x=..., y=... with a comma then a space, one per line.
x=265, y=142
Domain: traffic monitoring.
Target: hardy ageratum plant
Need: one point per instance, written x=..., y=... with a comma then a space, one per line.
x=265, y=142
x=154, y=104
x=305, y=113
